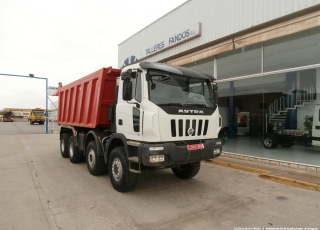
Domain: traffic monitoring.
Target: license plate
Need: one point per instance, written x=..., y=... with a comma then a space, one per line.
x=195, y=147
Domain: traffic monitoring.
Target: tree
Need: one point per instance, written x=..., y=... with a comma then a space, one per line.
x=308, y=122
x=3, y=111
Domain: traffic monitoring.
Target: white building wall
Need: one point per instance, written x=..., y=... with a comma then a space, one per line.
x=54, y=109
x=218, y=18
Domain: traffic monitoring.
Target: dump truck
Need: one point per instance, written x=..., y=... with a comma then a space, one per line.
x=146, y=116
x=37, y=115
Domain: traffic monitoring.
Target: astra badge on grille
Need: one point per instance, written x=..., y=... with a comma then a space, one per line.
x=190, y=131
x=190, y=111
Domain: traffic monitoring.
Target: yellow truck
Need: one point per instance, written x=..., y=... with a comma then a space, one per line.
x=37, y=116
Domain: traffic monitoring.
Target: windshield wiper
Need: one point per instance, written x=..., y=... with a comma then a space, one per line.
x=196, y=105
x=171, y=104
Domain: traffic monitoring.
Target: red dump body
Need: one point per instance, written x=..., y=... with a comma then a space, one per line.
x=84, y=103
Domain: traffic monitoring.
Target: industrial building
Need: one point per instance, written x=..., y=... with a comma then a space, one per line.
x=265, y=56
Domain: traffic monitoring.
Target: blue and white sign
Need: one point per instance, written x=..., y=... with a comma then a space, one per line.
x=175, y=39
x=130, y=60
x=52, y=90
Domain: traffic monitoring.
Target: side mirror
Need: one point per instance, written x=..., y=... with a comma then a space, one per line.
x=127, y=91
x=215, y=86
x=133, y=75
x=153, y=86
x=129, y=74
x=215, y=93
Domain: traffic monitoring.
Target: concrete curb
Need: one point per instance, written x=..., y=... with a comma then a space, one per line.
x=291, y=182
x=245, y=168
x=286, y=164
x=264, y=174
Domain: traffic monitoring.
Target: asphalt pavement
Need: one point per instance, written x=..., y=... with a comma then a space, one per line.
x=41, y=190
x=7, y=128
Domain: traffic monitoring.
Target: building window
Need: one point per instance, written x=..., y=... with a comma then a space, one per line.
x=204, y=66
x=299, y=49
x=276, y=104
x=239, y=62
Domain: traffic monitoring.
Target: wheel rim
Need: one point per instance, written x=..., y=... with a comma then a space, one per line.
x=91, y=158
x=71, y=149
x=62, y=145
x=117, y=169
x=268, y=142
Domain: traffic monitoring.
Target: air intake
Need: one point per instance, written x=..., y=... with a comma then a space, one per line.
x=187, y=127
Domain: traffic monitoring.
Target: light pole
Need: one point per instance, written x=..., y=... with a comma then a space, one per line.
x=32, y=76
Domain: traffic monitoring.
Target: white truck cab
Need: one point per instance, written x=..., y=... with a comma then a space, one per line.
x=165, y=116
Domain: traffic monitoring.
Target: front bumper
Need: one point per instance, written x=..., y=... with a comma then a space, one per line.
x=176, y=153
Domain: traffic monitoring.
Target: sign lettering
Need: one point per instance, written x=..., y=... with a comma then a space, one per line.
x=175, y=39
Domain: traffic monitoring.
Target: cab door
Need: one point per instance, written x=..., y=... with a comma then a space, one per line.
x=129, y=112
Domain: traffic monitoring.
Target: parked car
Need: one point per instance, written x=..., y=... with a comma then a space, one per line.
x=7, y=117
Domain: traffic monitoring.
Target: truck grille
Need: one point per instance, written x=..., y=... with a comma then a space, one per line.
x=184, y=127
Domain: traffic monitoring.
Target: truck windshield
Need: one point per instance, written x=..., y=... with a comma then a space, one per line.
x=182, y=91
x=38, y=113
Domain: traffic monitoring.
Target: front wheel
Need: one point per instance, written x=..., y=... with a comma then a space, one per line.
x=120, y=176
x=270, y=142
x=95, y=163
x=186, y=171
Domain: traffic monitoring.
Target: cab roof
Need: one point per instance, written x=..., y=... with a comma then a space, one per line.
x=175, y=69
x=170, y=68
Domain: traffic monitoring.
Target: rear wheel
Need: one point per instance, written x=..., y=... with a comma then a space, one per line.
x=64, y=139
x=120, y=176
x=95, y=163
x=287, y=144
x=74, y=154
x=187, y=171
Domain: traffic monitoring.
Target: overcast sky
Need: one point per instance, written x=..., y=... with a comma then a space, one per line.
x=64, y=40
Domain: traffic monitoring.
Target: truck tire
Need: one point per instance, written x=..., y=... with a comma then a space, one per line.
x=270, y=142
x=95, y=163
x=186, y=171
x=74, y=154
x=64, y=145
x=287, y=144
x=120, y=176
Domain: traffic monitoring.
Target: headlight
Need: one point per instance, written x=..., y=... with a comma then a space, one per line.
x=156, y=148
x=216, y=151
x=156, y=158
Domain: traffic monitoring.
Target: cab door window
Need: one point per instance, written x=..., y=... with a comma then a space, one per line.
x=137, y=95
x=136, y=88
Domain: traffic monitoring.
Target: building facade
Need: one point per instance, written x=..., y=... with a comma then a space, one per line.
x=265, y=56
x=54, y=111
